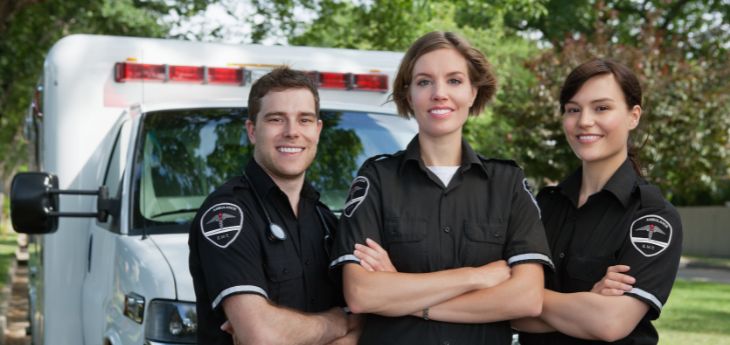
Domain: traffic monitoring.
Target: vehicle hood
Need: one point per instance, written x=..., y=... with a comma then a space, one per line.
x=174, y=247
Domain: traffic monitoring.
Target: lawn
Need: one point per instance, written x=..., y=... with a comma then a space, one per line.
x=697, y=313
x=8, y=244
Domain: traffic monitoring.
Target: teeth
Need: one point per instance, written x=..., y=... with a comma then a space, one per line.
x=290, y=149
x=589, y=137
x=440, y=111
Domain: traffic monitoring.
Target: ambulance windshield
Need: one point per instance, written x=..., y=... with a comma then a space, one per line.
x=183, y=155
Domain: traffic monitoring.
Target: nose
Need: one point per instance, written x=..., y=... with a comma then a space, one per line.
x=585, y=119
x=438, y=92
x=291, y=129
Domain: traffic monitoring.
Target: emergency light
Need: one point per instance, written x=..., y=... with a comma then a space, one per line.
x=129, y=71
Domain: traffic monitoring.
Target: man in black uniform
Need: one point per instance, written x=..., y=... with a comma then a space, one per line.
x=258, y=245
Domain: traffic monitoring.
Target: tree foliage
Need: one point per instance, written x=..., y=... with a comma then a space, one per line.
x=683, y=137
x=678, y=48
x=29, y=28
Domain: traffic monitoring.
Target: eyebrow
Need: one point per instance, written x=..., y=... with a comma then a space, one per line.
x=605, y=99
x=447, y=74
x=281, y=113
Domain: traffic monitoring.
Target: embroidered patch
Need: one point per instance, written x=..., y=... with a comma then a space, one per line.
x=651, y=235
x=222, y=223
x=358, y=192
x=528, y=189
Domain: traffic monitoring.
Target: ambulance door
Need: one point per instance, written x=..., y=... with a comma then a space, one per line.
x=98, y=282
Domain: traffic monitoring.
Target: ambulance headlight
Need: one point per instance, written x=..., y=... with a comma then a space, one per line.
x=172, y=322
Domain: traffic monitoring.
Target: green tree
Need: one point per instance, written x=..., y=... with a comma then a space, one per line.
x=29, y=28
x=683, y=137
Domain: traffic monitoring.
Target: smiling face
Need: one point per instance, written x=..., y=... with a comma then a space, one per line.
x=597, y=121
x=441, y=93
x=286, y=133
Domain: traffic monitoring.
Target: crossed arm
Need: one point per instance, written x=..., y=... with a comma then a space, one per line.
x=604, y=313
x=467, y=294
x=254, y=320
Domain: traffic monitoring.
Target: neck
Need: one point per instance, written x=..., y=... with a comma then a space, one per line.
x=596, y=175
x=291, y=186
x=441, y=151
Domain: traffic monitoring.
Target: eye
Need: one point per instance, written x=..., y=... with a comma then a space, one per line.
x=307, y=120
x=572, y=110
x=602, y=108
x=455, y=81
x=423, y=82
x=274, y=119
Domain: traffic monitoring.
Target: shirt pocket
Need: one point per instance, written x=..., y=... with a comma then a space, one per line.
x=585, y=271
x=405, y=243
x=483, y=242
x=285, y=282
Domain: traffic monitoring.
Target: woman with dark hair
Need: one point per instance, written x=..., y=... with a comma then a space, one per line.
x=451, y=220
x=615, y=240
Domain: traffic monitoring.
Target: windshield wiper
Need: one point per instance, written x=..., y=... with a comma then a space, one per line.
x=182, y=210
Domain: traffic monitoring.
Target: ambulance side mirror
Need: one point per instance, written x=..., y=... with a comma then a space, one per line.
x=32, y=204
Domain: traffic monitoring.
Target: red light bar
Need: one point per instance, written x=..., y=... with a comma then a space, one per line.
x=223, y=75
x=370, y=82
x=332, y=80
x=186, y=74
x=124, y=71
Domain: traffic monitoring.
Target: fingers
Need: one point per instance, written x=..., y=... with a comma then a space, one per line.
x=618, y=268
x=620, y=277
x=374, y=245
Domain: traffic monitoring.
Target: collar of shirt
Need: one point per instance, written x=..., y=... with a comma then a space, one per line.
x=621, y=184
x=264, y=185
x=468, y=156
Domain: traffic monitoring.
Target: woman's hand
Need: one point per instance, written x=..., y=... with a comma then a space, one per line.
x=373, y=257
x=615, y=282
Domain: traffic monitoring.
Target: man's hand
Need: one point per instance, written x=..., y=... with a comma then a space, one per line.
x=373, y=257
x=615, y=282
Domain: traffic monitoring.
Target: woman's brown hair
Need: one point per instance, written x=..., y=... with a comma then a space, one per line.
x=480, y=71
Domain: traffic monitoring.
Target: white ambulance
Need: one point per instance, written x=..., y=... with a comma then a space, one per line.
x=131, y=134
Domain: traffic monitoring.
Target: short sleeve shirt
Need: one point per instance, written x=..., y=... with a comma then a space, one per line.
x=486, y=213
x=232, y=252
x=628, y=222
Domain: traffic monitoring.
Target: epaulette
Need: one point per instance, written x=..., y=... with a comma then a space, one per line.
x=503, y=161
x=651, y=196
x=378, y=157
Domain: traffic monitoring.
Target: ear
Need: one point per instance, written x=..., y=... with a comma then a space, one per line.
x=635, y=116
x=474, y=93
x=319, y=128
x=251, y=130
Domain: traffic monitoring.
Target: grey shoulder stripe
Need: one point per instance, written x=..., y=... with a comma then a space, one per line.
x=643, y=294
x=344, y=258
x=237, y=289
x=531, y=257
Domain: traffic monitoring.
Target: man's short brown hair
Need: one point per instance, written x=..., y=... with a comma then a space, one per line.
x=480, y=71
x=279, y=79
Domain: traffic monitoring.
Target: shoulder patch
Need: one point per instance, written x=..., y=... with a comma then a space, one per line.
x=650, y=234
x=222, y=223
x=358, y=192
x=503, y=161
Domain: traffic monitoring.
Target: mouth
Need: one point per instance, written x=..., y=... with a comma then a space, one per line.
x=588, y=138
x=289, y=149
x=440, y=112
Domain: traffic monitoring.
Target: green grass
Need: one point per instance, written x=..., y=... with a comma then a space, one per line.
x=8, y=244
x=711, y=262
x=697, y=313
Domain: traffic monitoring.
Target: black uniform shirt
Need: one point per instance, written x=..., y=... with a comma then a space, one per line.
x=485, y=214
x=231, y=253
x=628, y=222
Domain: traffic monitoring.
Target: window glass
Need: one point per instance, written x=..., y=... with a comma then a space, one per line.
x=184, y=155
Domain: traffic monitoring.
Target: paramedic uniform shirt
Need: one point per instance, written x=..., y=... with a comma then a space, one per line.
x=230, y=252
x=628, y=222
x=485, y=214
